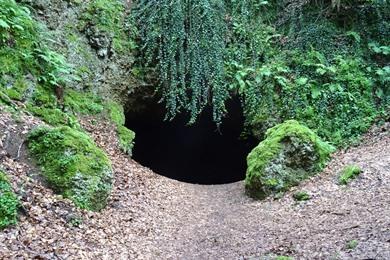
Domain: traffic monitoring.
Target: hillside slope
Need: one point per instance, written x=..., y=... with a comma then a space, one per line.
x=149, y=216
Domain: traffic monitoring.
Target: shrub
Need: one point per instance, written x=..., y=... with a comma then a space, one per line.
x=290, y=153
x=348, y=174
x=9, y=203
x=73, y=165
x=301, y=196
x=352, y=244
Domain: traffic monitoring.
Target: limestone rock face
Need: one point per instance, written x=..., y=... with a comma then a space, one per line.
x=98, y=47
x=290, y=153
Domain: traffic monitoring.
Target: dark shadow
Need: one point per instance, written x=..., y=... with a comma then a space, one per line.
x=195, y=154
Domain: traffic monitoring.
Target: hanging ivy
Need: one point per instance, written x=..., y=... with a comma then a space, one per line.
x=185, y=41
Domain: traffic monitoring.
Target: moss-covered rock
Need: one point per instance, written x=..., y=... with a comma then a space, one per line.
x=290, y=153
x=73, y=165
x=9, y=203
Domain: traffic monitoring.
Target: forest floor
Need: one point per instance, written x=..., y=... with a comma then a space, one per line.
x=152, y=217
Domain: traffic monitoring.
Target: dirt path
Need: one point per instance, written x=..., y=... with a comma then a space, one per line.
x=152, y=217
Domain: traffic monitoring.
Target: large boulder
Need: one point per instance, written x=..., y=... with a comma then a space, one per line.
x=73, y=165
x=290, y=153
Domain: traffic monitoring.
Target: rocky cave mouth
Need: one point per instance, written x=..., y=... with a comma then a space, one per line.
x=198, y=153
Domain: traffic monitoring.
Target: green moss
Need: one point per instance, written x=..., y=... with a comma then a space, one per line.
x=83, y=102
x=301, y=196
x=284, y=258
x=54, y=116
x=349, y=173
x=43, y=97
x=290, y=153
x=108, y=17
x=126, y=139
x=115, y=112
x=73, y=165
x=9, y=203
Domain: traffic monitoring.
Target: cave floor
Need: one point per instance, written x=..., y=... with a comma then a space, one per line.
x=153, y=217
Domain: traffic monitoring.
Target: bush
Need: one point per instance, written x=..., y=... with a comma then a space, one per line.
x=73, y=165
x=9, y=203
x=348, y=174
x=290, y=153
x=301, y=196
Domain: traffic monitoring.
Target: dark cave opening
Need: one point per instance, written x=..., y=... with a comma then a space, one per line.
x=195, y=154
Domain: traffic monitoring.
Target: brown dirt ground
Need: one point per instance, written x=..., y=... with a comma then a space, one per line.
x=152, y=217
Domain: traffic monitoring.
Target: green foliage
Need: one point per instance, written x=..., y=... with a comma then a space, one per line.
x=126, y=136
x=126, y=139
x=82, y=102
x=333, y=96
x=108, y=17
x=324, y=63
x=115, y=113
x=73, y=165
x=284, y=258
x=290, y=153
x=75, y=221
x=352, y=244
x=23, y=50
x=186, y=41
x=9, y=203
x=301, y=196
x=348, y=174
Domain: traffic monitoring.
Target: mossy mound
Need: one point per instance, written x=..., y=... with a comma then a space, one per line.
x=73, y=165
x=290, y=153
x=9, y=203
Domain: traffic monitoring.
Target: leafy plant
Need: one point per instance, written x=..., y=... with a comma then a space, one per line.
x=9, y=203
x=186, y=41
x=349, y=173
x=301, y=196
x=352, y=244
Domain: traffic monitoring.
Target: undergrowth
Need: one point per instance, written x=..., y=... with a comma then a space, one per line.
x=9, y=203
x=348, y=174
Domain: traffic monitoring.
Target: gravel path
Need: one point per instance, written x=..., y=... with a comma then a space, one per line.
x=152, y=217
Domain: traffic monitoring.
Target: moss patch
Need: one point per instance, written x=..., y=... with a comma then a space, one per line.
x=116, y=113
x=290, y=153
x=301, y=196
x=9, y=203
x=126, y=139
x=73, y=165
x=349, y=173
x=83, y=102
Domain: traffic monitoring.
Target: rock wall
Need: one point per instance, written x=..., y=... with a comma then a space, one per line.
x=100, y=51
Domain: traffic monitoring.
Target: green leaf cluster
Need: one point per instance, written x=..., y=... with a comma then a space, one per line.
x=185, y=42
x=348, y=174
x=9, y=203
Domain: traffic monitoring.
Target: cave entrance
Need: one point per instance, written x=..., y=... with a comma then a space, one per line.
x=195, y=154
